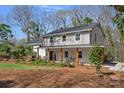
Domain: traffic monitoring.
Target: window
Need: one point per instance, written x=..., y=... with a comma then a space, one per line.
x=77, y=36
x=95, y=37
x=63, y=38
x=66, y=53
x=80, y=54
x=51, y=39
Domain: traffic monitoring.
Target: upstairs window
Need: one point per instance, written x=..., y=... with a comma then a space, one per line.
x=51, y=39
x=66, y=54
x=80, y=54
x=63, y=38
x=77, y=36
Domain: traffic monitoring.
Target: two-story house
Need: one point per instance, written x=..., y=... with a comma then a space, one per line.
x=72, y=44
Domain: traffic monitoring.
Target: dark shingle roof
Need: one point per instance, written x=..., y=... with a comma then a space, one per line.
x=34, y=42
x=72, y=29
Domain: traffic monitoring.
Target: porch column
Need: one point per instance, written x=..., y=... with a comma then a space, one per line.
x=61, y=55
x=102, y=55
x=53, y=56
x=48, y=55
x=77, y=59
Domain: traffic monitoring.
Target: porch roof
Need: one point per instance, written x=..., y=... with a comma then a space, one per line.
x=71, y=46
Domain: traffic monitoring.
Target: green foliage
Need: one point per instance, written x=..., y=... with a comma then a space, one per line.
x=95, y=57
x=21, y=52
x=44, y=63
x=39, y=62
x=5, y=48
x=87, y=20
x=67, y=64
x=118, y=8
x=15, y=66
x=120, y=25
x=5, y=31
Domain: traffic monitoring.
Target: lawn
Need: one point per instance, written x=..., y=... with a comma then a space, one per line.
x=14, y=66
x=26, y=66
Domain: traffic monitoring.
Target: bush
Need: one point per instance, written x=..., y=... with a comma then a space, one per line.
x=67, y=64
x=95, y=58
x=39, y=62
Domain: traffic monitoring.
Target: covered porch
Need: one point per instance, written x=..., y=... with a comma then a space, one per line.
x=75, y=55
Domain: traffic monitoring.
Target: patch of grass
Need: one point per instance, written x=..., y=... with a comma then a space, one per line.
x=14, y=66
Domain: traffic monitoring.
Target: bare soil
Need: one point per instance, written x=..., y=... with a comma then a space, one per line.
x=79, y=77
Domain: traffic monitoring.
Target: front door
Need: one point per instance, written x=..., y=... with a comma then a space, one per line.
x=52, y=55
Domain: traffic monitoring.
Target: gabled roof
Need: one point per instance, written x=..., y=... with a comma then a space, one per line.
x=72, y=29
x=34, y=42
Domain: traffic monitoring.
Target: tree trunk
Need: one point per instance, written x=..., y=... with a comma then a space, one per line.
x=98, y=71
x=28, y=36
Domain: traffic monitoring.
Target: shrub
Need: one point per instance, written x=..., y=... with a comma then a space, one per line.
x=67, y=64
x=95, y=58
x=39, y=62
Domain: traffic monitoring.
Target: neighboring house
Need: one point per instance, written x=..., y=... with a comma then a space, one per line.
x=72, y=44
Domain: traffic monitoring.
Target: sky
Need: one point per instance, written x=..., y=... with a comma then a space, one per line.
x=6, y=9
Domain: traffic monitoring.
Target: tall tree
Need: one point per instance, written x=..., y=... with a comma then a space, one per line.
x=36, y=30
x=63, y=17
x=22, y=16
x=118, y=19
x=54, y=21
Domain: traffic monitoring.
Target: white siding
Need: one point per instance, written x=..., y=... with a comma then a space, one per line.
x=99, y=36
x=70, y=39
x=42, y=51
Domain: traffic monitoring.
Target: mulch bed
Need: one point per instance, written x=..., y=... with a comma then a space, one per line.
x=79, y=77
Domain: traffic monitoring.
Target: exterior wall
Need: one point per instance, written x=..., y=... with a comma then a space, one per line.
x=99, y=36
x=72, y=55
x=70, y=39
x=42, y=51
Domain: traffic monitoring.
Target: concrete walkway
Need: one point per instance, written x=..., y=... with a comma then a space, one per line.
x=114, y=65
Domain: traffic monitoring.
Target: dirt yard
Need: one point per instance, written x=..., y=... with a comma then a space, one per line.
x=80, y=77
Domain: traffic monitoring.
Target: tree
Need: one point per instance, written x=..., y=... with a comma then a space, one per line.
x=95, y=58
x=120, y=25
x=54, y=21
x=22, y=16
x=118, y=19
x=36, y=30
x=5, y=32
x=119, y=10
x=42, y=19
x=63, y=17
x=87, y=20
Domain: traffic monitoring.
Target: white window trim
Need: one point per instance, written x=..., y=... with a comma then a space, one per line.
x=62, y=38
x=80, y=36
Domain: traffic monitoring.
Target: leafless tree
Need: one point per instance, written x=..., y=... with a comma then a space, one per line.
x=63, y=16
x=53, y=21
x=22, y=16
